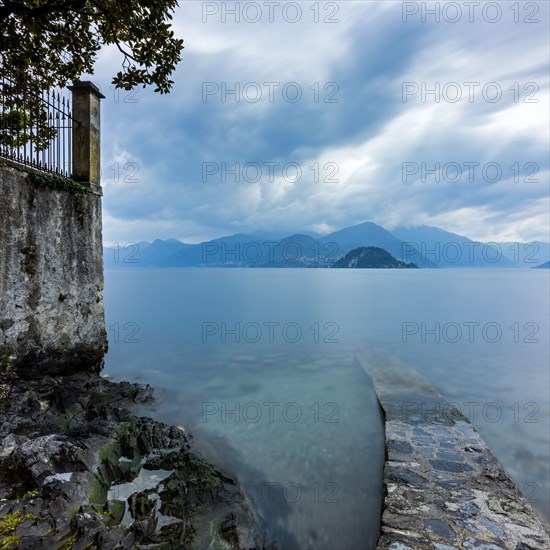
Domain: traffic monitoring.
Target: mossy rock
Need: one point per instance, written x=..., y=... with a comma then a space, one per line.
x=141, y=506
x=116, y=510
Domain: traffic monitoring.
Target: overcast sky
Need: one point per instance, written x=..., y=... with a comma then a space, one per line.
x=361, y=143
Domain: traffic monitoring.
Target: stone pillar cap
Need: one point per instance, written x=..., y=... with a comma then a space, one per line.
x=86, y=84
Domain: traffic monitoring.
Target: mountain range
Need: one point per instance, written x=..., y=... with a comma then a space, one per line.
x=425, y=246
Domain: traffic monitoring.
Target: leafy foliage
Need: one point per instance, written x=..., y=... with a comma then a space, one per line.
x=45, y=44
x=14, y=125
x=51, y=42
x=23, y=119
x=58, y=183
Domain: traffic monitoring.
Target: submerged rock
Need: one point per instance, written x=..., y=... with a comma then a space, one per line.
x=79, y=470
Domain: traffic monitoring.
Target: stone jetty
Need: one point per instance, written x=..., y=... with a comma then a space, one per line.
x=444, y=488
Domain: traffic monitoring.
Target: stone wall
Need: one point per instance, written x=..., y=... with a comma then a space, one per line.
x=51, y=275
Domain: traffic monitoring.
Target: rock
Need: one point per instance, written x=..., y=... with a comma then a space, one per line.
x=438, y=527
x=400, y=447
x=472, y=543
x=10, y=443
x=449, y=466
x=405, y=476
x=64, y=442
x=44, y=456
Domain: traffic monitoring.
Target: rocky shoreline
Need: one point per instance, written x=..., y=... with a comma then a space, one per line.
x=79, y=470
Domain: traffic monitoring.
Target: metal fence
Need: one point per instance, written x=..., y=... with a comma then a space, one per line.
x=36, y=127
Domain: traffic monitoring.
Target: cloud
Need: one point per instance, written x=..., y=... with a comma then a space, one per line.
x=350, y=132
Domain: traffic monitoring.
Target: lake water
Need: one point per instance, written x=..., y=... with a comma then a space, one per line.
x=260, y=365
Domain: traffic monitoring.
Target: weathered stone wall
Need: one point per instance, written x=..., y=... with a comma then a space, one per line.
x=51, y=276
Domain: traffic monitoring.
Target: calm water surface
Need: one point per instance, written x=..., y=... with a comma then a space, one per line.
x=260, y=365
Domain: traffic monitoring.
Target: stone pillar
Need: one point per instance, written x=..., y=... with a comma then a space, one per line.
x=87, y=134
